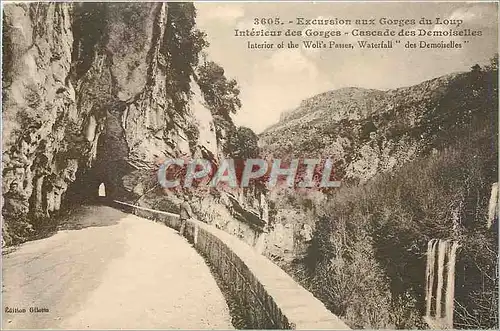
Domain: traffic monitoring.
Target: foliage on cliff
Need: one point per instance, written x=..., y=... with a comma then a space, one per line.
x=183, y=44
x=370, y=131
x=368, y=254
x=96, y=93
x=222, y=98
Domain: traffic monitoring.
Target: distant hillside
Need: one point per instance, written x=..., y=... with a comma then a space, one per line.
x=427, y=157
x=329, y=102
x=369, y=131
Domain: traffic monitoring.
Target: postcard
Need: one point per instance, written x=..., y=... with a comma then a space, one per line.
x=250, y=165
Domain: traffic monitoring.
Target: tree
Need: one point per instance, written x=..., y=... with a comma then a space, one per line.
x=493, y=63
x=476, y=68
x=242, y=143
x=182, y=45
x=221, y=94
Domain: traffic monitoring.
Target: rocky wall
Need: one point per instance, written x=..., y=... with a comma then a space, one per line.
x=86, y=100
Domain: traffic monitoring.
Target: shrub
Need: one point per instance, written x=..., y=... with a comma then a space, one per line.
x=368, y=255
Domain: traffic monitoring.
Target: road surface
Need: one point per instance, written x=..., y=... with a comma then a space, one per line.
x=114, y=271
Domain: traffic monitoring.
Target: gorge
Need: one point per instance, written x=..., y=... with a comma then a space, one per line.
x=96, y=95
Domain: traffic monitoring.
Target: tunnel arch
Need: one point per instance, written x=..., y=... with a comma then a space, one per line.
x=110, y=160
x=102, y=190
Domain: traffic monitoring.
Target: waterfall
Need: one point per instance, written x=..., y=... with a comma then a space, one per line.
x=493, y=206
x=431, y=253
x=450, y=288
x=441, y=255
x=441, y=317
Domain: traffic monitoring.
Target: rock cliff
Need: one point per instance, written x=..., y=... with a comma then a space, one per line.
x=367, y=131
x=95, y=93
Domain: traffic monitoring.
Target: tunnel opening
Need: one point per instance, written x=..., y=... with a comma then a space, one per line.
x=102, y=191
x=85, y=190
x=103, y=180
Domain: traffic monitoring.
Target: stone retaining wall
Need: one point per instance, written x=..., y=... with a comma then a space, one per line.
x=270, y=297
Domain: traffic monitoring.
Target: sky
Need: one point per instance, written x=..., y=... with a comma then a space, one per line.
x=276, y=80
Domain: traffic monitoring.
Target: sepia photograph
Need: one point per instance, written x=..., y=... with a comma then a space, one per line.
x=250, y=165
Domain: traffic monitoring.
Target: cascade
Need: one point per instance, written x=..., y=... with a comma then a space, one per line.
x=450, y=291
x=431, y=253
x=441, y=257
x=493, y=205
